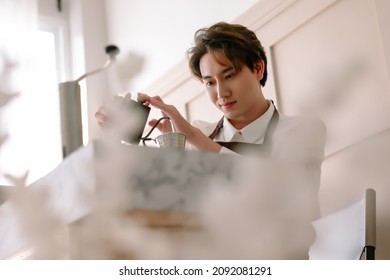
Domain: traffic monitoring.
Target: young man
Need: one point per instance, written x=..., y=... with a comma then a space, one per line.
x=231, y=63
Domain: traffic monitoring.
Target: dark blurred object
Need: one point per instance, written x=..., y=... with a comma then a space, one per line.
x=142, y=113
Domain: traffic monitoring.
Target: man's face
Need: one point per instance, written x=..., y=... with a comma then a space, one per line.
x=236, y=94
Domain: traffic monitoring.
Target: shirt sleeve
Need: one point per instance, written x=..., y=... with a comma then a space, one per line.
x=302, y=140
x=303, y=146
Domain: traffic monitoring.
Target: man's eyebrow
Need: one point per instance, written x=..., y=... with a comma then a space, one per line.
x=227, y=69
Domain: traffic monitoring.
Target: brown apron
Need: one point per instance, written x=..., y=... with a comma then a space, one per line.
x=243, y=148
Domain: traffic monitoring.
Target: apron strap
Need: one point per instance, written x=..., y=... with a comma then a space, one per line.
x=216, y=129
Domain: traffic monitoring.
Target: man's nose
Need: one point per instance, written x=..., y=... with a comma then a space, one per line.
x=222, y=90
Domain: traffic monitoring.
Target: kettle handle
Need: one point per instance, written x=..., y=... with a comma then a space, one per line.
x=146, y=137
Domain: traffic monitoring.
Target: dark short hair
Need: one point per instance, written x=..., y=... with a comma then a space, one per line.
x=239, y=44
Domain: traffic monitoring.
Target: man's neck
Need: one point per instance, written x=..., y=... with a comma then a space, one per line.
x=240, y=123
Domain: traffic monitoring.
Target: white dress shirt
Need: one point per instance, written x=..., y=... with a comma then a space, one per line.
x=253, y=133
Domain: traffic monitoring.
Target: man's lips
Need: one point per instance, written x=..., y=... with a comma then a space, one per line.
x=227, y=105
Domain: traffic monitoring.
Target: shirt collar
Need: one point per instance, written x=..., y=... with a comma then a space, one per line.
x=252, y=133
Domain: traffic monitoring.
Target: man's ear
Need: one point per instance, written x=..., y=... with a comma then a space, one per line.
x=259, y=69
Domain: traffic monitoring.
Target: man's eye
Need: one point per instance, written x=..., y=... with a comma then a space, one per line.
x=229, y=76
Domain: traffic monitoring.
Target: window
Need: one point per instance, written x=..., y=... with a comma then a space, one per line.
x=32, y=121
